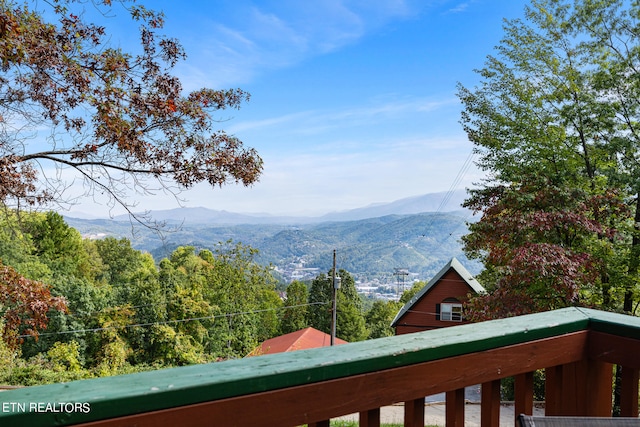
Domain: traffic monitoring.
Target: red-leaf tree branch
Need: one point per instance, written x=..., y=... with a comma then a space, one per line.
x=69, y=99
x=24, y=305
x=538, y=241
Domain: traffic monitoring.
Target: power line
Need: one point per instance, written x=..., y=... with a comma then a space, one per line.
x=447, y=198
x=164, y=322
x=461, y=173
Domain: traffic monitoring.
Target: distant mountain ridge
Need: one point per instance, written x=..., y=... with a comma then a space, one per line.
x=373, y=247
x=370, y=247
x=432, y=202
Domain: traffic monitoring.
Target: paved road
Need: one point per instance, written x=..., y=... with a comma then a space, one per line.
x=434, y=414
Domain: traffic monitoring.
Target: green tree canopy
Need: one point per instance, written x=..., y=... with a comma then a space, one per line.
x=379, y=317
x=234, y=296
x=350, y=325
x=294, y=313
x=59, y=246
x=553, y=122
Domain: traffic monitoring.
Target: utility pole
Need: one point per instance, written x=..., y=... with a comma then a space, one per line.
x=335, y=282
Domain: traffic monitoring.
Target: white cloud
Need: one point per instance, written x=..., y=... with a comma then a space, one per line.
x=314, y=122
x=461, y=7
x=330, y=178
x=322, y=159
x=279, y=34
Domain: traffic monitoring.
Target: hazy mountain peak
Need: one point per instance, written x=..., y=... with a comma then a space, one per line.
x=433, y=202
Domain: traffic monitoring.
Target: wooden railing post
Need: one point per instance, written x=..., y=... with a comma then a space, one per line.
x=629, y=392
x=599, y=388
x=490, y=405
x=414, y=413
x=582, y=388
x=523, y=394
x=552, y=390
x=370, y=418
x=293, y=389
x=455, y=408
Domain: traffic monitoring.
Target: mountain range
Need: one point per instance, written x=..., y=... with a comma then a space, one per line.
x=432, y=202
x=420, y=234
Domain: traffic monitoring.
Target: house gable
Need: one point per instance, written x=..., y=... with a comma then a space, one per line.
x=437, y=304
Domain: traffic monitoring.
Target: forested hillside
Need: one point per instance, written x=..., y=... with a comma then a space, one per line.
x=367, y=248
x=74, y=307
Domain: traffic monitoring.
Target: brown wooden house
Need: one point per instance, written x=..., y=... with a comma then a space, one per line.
x=439, y=303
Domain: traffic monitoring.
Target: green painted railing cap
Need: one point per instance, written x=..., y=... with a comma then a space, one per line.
x=141, y=392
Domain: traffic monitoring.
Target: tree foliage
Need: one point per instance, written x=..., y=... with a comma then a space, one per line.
x=294, y=315
x=539, y=243
x=380, y=316
x=553, y=121
x=111, y=309
x=112, y=116
x=74, y=105
x=320, y=303
x=129, y=313
x=24, y=305
x=350, y=324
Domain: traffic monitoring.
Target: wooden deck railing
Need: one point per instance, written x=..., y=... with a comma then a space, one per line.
x=577, y=347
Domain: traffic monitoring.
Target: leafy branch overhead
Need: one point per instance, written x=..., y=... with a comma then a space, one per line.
x=554, y=123
x=69, y=98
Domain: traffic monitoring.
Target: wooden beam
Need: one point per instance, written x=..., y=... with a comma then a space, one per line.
x=598, y=383
x=553, y=390
x=455, y=408
x=334, y=398
x=629, y=392
x=414, y=413
x=370, y=418
x=128, y=395
x=490, y=404
x=572, y=394
x=523, y=394
x=614, y=349
x=581, y=388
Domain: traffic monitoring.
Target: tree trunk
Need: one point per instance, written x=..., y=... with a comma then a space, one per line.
x=617, y=388
x=634, y=260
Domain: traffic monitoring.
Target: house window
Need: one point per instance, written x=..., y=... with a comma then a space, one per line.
x=451, y=312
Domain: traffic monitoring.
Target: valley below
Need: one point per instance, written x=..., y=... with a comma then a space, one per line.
x=385, y=253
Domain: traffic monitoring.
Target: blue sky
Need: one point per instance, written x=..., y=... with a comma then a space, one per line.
x=353, y=102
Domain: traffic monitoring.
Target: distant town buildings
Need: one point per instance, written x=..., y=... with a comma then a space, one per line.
x=386, y=288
